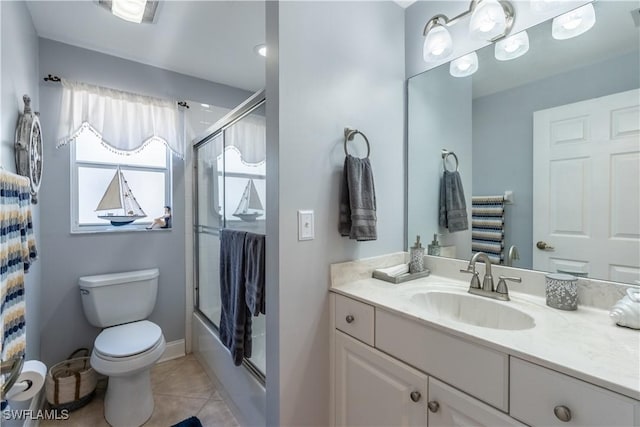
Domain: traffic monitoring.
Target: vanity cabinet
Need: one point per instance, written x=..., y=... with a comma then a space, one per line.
x=388, y=370
x=373, y=389
x=449, y=407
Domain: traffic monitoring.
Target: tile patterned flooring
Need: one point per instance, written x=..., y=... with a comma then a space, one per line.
x=181, y=389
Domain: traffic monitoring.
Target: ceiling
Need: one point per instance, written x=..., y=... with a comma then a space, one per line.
x=212, y=40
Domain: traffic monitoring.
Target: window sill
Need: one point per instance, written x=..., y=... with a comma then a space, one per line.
x=101, y=229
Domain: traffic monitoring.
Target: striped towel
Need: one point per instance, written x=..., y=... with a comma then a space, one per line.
x=487, y=234
x=17, y=251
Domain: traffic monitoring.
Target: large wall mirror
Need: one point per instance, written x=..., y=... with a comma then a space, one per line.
x=558, y=128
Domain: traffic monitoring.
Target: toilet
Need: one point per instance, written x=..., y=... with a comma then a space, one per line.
x=129, y=345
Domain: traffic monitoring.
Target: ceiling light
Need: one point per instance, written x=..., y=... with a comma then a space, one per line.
x=491, y=19
x=464, y=66
x=512, y=47
x=573, y=23
x=136, y=11
x=438, y=44
x=260, y=49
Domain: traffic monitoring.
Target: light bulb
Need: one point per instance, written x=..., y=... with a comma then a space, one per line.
x=488, y=20
x=438, y=44
x=573, y=23
x=464, y=66
x=512, y=47
x=541, y=6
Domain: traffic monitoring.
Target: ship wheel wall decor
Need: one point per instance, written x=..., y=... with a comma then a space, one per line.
x=28, y=147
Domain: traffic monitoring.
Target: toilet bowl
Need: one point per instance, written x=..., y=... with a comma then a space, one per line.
x=128, y=347
x=126, y=353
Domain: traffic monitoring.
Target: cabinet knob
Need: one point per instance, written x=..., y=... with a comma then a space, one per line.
x=433, y=406
x=415, y=396
x=350, y=318
x=562, y=413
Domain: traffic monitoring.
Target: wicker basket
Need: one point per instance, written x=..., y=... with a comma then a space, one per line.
x=71, y=383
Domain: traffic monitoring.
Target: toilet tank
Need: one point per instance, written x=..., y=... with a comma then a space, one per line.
x=117, y=298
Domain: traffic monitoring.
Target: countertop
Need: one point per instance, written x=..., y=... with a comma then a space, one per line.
x=584, y=344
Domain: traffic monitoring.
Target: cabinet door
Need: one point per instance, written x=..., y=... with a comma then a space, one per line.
x=373, y=389
x=449, y=407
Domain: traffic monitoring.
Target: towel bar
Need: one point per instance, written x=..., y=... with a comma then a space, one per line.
x=349, y=134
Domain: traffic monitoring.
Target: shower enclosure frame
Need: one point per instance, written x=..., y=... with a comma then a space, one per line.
x=254, y=102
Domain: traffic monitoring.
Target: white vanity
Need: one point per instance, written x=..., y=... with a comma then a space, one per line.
x=403, y=356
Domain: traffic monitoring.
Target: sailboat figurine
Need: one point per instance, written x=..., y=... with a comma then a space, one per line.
x=249, y=200
x=118, y=196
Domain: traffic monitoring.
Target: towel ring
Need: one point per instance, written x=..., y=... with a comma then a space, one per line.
x=445, y=154
x=349, y=134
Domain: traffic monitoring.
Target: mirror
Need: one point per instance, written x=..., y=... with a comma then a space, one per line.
x=559, y=128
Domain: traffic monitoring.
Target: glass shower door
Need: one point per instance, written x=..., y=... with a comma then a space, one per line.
x=230, y=179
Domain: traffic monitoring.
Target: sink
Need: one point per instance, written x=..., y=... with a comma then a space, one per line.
x=473, y=310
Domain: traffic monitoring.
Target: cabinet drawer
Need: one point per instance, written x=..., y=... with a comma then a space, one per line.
x=355, y=318
x=472, y=368
x=537, y=391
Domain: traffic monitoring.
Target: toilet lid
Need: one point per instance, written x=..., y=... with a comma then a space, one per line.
x=128, y=339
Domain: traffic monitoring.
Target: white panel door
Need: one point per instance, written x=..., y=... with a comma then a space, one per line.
x=373, y=389
x=449, y=407
x=586, y=187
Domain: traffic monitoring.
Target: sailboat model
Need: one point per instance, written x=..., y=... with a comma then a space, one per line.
x=250, y=206
x=119, y=197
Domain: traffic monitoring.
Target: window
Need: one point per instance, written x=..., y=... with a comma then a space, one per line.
x=93, y=167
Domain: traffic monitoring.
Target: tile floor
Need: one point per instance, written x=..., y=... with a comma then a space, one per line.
x=181, y=389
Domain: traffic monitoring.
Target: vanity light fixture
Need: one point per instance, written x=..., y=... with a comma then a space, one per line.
x=542, y=6
x=512, y=47
x=136, y=11
x=491, y=20
x=464, y=66
x=437, y=43
x=574, y=23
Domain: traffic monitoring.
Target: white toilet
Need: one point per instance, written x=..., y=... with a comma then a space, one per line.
x=128, y=347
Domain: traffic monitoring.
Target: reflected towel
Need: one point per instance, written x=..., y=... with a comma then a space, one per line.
x=254, y=272
x=453, y=208
x=357, y=200
x=235, y=318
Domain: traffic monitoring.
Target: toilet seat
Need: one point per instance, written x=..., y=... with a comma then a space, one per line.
x=130, y=339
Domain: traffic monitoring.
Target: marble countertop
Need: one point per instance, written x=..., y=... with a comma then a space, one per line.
x=584, y=344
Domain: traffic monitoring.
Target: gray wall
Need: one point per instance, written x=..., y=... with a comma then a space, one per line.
x=67, y=257
x=19, y=77
x=503, y=135
x=336, y=64
x=439, y=116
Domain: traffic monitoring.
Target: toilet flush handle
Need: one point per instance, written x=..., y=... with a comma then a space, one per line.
x=84, y=291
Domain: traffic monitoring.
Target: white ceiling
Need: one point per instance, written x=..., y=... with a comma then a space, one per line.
x=212, y=40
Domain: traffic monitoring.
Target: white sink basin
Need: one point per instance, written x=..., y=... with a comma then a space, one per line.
x=473, y=310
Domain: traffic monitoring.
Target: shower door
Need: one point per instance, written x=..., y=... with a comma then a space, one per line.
x=230, y=178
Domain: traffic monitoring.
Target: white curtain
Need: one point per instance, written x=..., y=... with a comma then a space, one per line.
x=125, y=121
x=249, y=137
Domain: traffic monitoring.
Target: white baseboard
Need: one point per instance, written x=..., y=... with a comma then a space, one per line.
x=174, y=350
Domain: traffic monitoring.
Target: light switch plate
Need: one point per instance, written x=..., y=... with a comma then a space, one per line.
x=306, y=227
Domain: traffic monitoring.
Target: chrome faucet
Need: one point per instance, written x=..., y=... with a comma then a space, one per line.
x=487, y=290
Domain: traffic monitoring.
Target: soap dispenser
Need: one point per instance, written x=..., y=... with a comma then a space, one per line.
x=417, y=257
x=434, y=247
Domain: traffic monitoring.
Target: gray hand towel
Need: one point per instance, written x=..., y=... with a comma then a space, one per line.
x=235, y=319
x=358, y=200
x=254, y=272
x=453, y=207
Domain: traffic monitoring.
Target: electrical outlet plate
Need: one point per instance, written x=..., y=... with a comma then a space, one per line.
x=306, y=227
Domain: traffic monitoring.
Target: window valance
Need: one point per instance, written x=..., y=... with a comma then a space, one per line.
x=124, y=121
